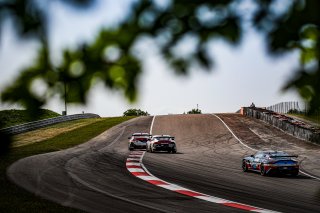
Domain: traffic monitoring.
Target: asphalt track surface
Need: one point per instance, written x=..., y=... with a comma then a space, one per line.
x=93, y=176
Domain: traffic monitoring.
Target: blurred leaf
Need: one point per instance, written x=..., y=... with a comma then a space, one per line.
x=295, y=27
x=307, y=84
x=307, y=55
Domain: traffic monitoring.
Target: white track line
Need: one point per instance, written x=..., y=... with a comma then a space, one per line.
x=309, y=175
x=154, y=117
x=253, y=148
x=140, y=171
x=97, y=189
x=238, y=139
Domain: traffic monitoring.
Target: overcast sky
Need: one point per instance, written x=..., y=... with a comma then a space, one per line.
x=240, y=76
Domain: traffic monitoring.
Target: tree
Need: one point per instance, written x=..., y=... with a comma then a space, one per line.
x=293, y=27
x=194, y=111
x=135, y=112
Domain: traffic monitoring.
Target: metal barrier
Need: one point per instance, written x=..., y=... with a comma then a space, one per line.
x=292, y=126
x=46, y=122
x=286, y=107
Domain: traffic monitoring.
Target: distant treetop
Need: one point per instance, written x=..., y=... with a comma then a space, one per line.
x=135, y=112
x=194, y=111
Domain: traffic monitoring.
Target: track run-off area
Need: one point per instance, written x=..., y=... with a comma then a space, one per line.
x=204, y=176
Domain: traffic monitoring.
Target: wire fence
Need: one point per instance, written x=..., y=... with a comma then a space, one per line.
x=289, y=107
x=295, y=107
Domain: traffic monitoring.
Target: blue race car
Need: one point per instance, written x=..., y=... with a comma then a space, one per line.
x=268, y=162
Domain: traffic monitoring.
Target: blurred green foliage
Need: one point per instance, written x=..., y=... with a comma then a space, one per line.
x=286, y=26
x=295, y=29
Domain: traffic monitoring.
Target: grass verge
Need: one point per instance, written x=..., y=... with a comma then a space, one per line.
x=50, y=132
x=16, y=199
x=313, y=119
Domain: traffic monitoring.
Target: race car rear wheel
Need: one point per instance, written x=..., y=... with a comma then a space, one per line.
x=262, y=170
x=244, y=166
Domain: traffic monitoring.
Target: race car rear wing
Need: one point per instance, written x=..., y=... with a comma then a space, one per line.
x=284, y=156
x=170, y=137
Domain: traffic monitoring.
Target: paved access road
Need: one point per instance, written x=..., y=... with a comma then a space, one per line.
x=93, y=177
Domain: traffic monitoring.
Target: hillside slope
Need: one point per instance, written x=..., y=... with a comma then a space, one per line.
x=14, y=116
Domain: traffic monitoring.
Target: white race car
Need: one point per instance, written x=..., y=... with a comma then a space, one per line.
x=162, y=143
x=138, y=141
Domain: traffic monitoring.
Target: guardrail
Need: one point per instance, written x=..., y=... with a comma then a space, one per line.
x=43, y=123
x=287, y=124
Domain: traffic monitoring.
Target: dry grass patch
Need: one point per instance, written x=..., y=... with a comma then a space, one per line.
x=50, y=132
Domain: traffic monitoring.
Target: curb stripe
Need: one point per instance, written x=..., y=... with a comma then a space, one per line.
x=133, y=159
x=147, y=178
x=140, y=174
x=239, y=206
x=212, y=199
x=157, y=182
x=133, y=166
x=134, y=156
x=138, y=170
x=189, y=193
x=135, y=170
x=172, y=187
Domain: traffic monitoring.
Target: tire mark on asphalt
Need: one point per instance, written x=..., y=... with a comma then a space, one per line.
x=88, y=185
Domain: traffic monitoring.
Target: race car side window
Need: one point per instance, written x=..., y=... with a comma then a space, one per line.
x=258, y=156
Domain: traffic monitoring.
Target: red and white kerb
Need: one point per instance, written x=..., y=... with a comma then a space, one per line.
x=135, y=167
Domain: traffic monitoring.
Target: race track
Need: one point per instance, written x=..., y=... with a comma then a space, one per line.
x=93, y=176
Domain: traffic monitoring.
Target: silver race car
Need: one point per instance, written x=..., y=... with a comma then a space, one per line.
x=162, y=143
x=138, y=141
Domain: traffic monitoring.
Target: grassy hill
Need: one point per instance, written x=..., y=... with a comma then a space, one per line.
x=14, y=116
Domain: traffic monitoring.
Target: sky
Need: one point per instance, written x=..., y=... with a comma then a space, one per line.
x=241, y=75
